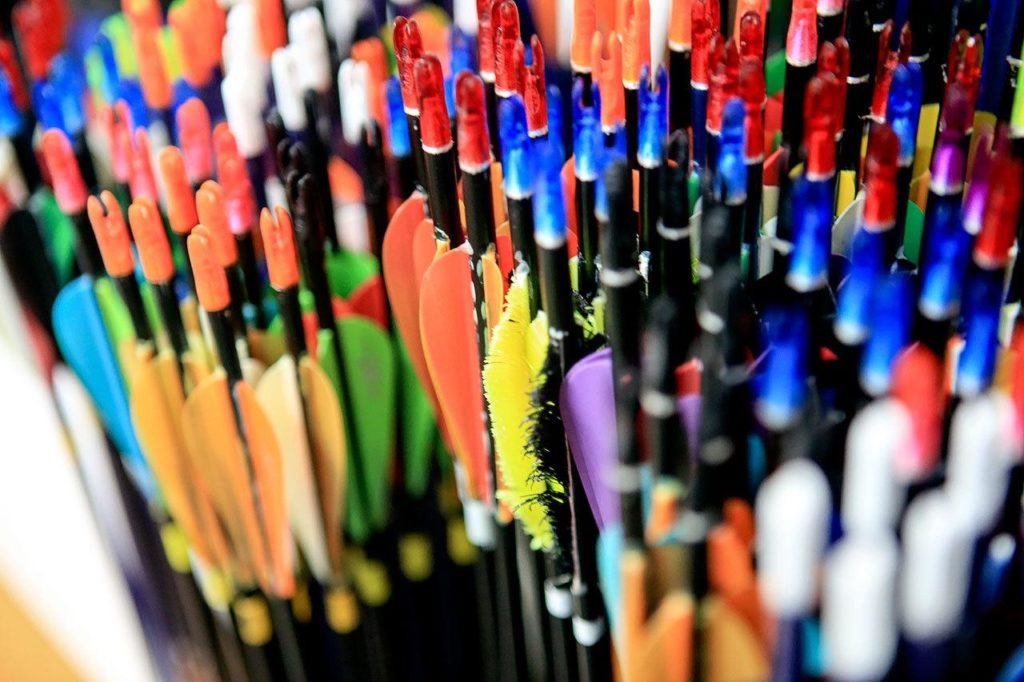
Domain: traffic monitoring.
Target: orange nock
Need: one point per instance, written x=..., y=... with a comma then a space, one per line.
x=212, y=21
x=608, y=75
x=141, y=13
x=373, y=52
x=224, y=144
x=151, y=240
x=583, y=26
x=212, y=214
x=111, y=234
x=271, y=25
x=156, y=86
x=181, y=206
x=189, y=38
x=679, y=31
x=279, y=245
x=636, y=42
x=211, y=281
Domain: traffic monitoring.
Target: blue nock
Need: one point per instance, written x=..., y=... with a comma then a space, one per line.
x=812, y=230
x=516, y=148
x=548, y=199
x=891, y=315
x=397, y=124
x=731, y=173
x=781, y=385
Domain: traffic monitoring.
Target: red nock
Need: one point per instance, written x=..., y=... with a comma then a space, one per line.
x=964, y=66
x=535, y=95
x=507, y=66
x=887, y=61
x=702, y=32
x=753, y=91
x=1002, y=209
x=234, y=180
x=9, y=64
x=917, y=384
x=751, y=33
x=834, y=61
x=408, y=49
x=121, y=141
x=821, y=119
x=484, y=39
x=723, y=79
x=880, y=169
x=41, y=28
x=435, y=126
x=141, y=181
x=65, y=176
x=474, y=140
x=802, y=36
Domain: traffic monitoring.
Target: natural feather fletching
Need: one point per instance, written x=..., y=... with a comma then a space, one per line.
x=511, y=374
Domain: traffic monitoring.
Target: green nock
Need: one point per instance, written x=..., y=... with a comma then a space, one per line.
x=115, y=27
x=58, y=233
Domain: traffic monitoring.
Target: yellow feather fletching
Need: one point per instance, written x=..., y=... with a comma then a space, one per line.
x=515, y=358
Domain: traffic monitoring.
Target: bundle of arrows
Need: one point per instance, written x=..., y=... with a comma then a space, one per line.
x=543, y=340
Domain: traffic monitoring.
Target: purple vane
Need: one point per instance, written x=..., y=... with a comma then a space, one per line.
x=588, y=411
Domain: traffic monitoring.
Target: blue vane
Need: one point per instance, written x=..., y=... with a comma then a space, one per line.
x=82, y=338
